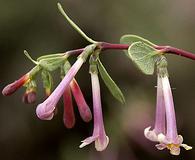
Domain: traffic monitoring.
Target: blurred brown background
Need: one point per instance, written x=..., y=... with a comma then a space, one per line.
x=38, y=27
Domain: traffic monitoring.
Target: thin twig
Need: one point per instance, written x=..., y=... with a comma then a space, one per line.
x=163, y=49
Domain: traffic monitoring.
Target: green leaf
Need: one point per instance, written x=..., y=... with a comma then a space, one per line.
x=144, y=56
x=47, y=80
x=51, y=56
x=53, y=63
x=129, y=39
x=114, y=89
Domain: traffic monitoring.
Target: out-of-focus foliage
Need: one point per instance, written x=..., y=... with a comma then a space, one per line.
x=38, y=27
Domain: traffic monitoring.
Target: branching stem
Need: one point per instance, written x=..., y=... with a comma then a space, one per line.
x=106, y=46
x=163, y=49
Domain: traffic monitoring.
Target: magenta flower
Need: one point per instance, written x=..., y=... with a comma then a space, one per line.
x=84, y=109
x=45, y=110
x=68, y=117
x=165, y=108
x=99, y=135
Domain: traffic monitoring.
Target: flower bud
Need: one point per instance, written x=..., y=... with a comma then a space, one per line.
x=11, y=88
x=30, y=94
x=45, y=110
x=29, y=97
x=84, y=109
x=68, y=117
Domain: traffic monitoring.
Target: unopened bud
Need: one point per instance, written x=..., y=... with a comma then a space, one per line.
x=29, y=97
x=84, y=109
x=68, y=117
x=11, y=88
x=30, y=94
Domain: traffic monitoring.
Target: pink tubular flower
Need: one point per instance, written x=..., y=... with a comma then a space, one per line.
x=170, y=140
x=45, y=110
x=11, y=88
x=99, y=135
x=159, y=126
x=68, y=117
x=84, y=109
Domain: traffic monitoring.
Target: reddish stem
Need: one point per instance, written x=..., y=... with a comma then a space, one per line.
x=76, y=51
x=106, y=46
x=163, y=49
x=176, y=51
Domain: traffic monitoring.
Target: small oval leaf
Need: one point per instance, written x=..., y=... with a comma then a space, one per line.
x=144, y=56
x=129, y=39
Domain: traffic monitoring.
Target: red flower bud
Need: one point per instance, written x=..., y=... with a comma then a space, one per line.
x=84, y=109
x=11, y=88
x=69, y=117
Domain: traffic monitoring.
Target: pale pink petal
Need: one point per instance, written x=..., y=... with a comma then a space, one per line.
x=151, y=135
x=160, y=146
x=175, y=150
x=88, y=141
x=186, y=147
x=101, y=145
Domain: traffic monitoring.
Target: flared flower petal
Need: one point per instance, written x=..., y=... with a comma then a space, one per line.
x=165, y=130
x=88, y=141
x=160, y=146
x=173, y=147
x=101, y=143
x=150, y=134
x=186, y=147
